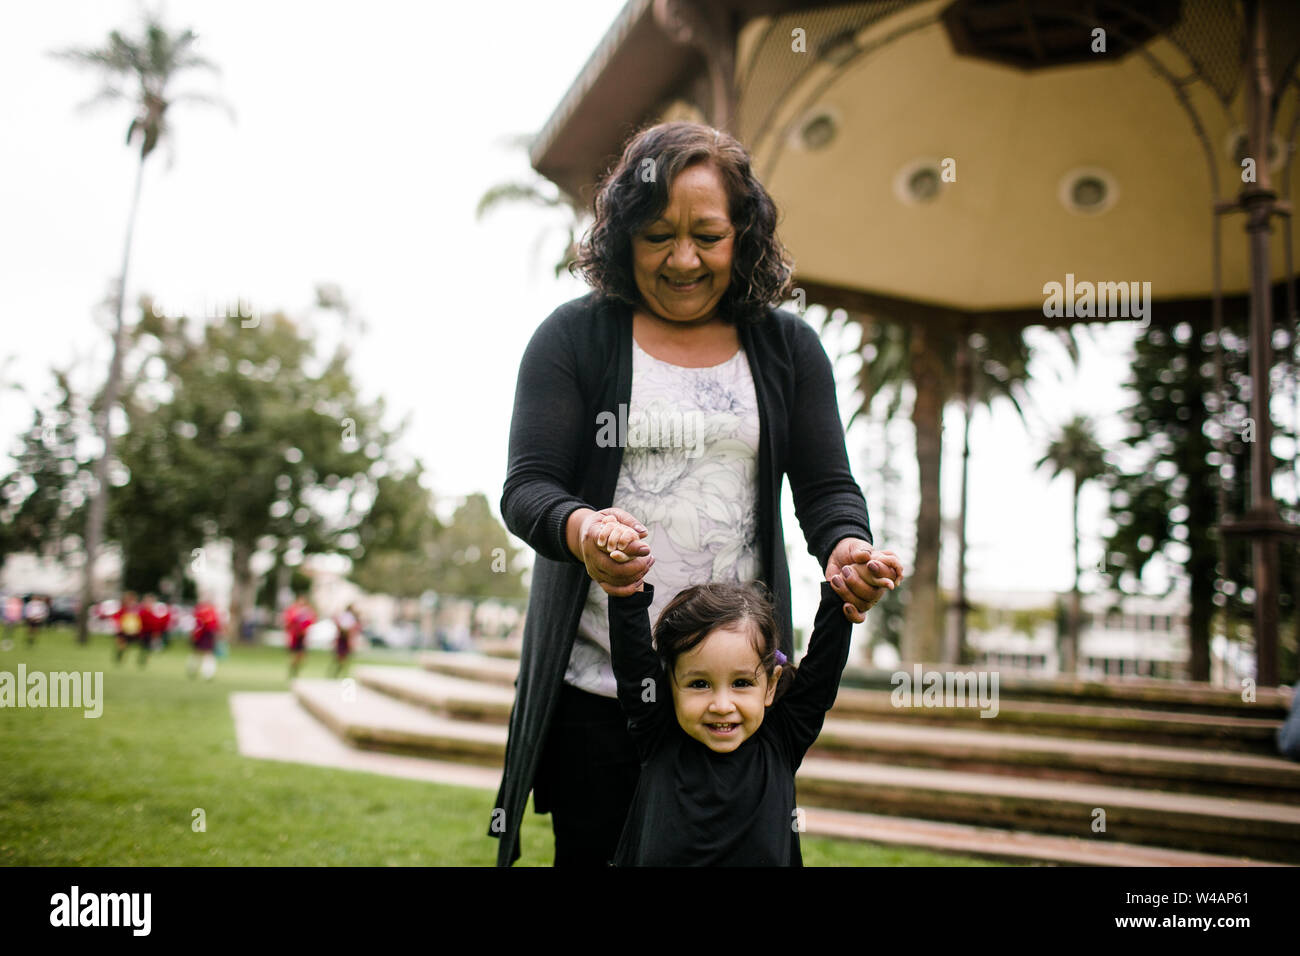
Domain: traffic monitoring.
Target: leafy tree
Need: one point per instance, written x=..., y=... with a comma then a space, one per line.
x=399, y=538
x=923, y=354
x=885, y=623
x=476, y=557
x=160, y=516
x=538, y=191
x=151, y=62
x=43, y=498
x=266, y=445
x=1164, y=503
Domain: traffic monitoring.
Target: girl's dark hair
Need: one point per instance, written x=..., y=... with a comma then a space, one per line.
x=634, y=193
x=689, y=617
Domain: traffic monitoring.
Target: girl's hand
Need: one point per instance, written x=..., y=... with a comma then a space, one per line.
x=861, y=575
x=593, y=535
x=616, y=539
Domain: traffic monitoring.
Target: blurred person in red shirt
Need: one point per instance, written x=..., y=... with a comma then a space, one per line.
x=155, y=618
x=298, y=617
x=130, y=627
x=203, y=641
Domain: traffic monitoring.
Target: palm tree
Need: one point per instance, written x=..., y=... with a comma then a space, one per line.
x=1075, y=449
x=538, y=192
x=151, y=63
x=926, y=355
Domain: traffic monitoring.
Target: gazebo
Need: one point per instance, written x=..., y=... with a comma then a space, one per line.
x=942, y=162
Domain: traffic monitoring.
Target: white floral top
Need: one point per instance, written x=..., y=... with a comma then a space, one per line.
x=690, y=475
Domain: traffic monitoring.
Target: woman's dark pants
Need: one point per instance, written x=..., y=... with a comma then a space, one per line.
x=588, y=776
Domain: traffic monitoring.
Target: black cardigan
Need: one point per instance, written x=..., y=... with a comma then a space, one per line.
x=578, y=364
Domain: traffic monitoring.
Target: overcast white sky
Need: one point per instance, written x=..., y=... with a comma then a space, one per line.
x=364, y=136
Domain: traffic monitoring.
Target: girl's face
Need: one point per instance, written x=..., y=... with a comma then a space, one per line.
x=720, y=689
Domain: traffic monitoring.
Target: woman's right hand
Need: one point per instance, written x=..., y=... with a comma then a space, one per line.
x=588, y=533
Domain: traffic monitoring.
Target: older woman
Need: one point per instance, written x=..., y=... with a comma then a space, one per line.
x=675, y=397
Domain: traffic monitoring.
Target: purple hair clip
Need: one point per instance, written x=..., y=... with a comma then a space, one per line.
x=781, y=658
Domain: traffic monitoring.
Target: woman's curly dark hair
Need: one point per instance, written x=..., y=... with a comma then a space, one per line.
x=628, y=200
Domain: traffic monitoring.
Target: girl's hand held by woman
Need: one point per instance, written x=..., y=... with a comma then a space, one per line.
x=861, y=575
x=593, y=535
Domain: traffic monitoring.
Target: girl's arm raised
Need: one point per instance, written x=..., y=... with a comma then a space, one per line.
x=642, y=686
x=802, y=709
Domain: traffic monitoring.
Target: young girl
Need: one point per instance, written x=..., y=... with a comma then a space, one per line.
x=719, y=721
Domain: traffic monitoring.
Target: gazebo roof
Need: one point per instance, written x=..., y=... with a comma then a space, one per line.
x=633, y=69
x=851, y=133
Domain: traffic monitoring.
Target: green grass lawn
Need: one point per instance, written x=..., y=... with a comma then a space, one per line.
x=121, y=790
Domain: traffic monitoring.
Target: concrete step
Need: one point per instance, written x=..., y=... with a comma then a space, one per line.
x=500, y=648
x=1123, y=724
x=1142, y=692
x=1135, y=766
x=1255, y=829
x=1013, y=846
x=501, y=671
x=376, y=721
x=1212, y=773
x=1260, y=830
x=1127, y=724
x=450, y=696
x=274, y=726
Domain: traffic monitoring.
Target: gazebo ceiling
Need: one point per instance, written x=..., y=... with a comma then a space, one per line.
x=1094, y=169
x=1024, y=144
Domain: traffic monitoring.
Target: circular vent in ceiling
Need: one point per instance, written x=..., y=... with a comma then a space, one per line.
x=1088, y=191
x=920, y=181
x=818, y=130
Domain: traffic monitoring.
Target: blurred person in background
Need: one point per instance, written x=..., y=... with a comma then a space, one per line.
x=36, y=613
x=13, y=616
x=155, y=619
x=203, y=641
x=248, y=629
x=298, y=617
x=347, y=626
x=129, y=626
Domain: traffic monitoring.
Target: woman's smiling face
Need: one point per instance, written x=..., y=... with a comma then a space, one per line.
x=682, y=260
x=720, y=690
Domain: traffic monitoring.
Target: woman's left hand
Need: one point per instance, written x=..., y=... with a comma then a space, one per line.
x=861, y=575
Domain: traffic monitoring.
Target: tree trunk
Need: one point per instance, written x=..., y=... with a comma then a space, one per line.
x=242, y=588
x=1205, y=499
x=921, y=640
x=103, y=425
x=1070, y=655
x=955, y=648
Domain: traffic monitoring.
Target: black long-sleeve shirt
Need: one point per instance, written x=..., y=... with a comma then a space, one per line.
x=578, y=366
x=697, y=807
